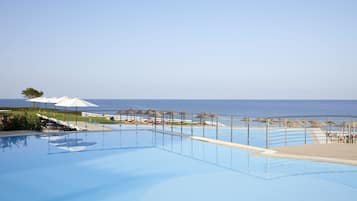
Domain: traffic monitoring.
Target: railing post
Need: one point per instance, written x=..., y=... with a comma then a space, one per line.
x=285, y=132
x=203, y=128
x=328, y=131
x=136, y=123
x=267, y=134
x=304, y=134
x=154, y=122
x=353, y=129
x=192, y=124
x=216, y=127
x=120, y=120
x=181, y=123
x=343, y=132
x=231, y=128
x=172, y=122
x=248, y=132
x=163, y=121
x=349, y=132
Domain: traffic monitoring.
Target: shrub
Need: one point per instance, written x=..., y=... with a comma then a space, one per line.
x=22, y=121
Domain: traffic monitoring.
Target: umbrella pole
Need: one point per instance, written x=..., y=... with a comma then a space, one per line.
x=172, y=121
x=76, y=115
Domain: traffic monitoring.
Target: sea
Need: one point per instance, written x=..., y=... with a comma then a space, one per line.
x=257, y=108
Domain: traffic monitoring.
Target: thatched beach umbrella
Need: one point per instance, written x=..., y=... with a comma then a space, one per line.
x=163, y=114
x=172, y=114
x=212, y=116
x=141, y=113
x=131, y=111
x=275, y=121
x=158, y=114
x=202, y=116
x=294, y=123
x=330, y=124
x=183, y=117
x=283, y=121
x=120, y=112
x=150, y=112
x=260, y=120
x=316, y=123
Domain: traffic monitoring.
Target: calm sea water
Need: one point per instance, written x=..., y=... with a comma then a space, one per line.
x=235, y=107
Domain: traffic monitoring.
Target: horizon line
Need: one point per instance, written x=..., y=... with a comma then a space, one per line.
x=233, y=99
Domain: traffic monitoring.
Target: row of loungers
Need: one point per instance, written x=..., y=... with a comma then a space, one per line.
x=50, y=125
x=345, y=138
x=158, y=122
x=58, y=124
x=149, y=121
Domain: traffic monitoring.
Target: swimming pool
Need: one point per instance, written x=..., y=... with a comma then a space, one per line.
x=257, y=135
x=143, y=165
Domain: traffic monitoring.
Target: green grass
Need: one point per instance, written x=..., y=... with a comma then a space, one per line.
x=60, y=115
x=73, y=116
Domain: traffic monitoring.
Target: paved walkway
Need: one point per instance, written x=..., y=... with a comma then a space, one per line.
x=339, y=151
x=89, y=126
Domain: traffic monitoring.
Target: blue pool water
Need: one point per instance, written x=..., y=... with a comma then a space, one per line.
x=257, y=136
x=130, y=165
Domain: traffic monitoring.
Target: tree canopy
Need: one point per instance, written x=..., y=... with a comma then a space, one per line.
x=31, y=93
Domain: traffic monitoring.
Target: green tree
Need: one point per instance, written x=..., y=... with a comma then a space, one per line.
x=31, y=93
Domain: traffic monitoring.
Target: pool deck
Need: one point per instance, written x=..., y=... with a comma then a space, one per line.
x=335, y=153
x=88, y=126
x=332, y=153
x=234, y=145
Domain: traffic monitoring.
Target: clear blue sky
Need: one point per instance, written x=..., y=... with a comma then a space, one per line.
x=180, y=49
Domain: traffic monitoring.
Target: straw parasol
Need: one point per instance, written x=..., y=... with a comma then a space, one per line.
x=330, y=123
x=212, y=116
x=183, y=115
x=172, y=114
x=260, y=120
x=150, y=112
x=316, y=123
x=130, y=111
x=202, y=116
x=140, y=113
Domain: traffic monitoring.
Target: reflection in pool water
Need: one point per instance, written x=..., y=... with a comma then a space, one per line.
x=11, y=142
